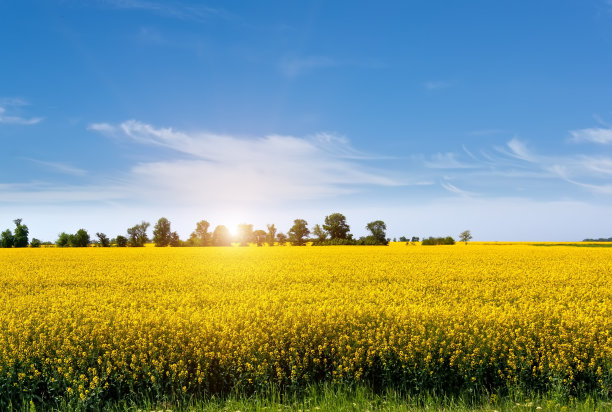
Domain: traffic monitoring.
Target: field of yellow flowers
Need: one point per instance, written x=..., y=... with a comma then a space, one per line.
x=97, y=324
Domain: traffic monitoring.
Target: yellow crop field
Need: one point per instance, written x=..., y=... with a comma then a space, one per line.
x=98, y=323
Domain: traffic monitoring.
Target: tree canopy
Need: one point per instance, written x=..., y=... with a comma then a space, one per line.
x=298, y=232
x=271, y=235
x=122, y=241
x=245, y=234
x=162, y=232
x=259, y=236
x=282, y=239
x=465, y=236
x=137, y=234
x=319, y=233
x=335, y=225
x=378, y=229
x=79, y=239
x=20, y=235
x=103, y=240
x=6, y=239
x=201, y=236
x=221, y=236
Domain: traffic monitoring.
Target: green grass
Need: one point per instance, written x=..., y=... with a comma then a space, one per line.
x=328, y=398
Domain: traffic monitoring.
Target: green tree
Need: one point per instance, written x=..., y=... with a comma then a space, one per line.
x=319, y=233
x=201, y=236
x=282, y=239
x=271, y=236
x=465, y=236
x=63, y=240
x=378, y=229
x=162, y=232
x=259, y=236
x=20, y=236
x=6, y=239
x=221, y=236
x=298, y=232
x=175, y=241
x=433, y=241
x=80, y=239
x=245, y=234
x=336, y=226
x=122, y=241
x=35, y=243
x=138, y=234
x=103, y=239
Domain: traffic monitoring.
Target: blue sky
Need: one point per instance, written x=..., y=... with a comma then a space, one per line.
x=433, y=116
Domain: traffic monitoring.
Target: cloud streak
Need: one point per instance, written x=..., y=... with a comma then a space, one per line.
x=7, y=119
x=59, y=167
x=176, y=10
x=221, y=171
x=226, y=168
x=592, y=135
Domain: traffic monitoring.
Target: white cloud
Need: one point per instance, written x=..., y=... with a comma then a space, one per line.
x=269, y=169
x=325, y=165
x=228, y=179
x=593, y=135
x=101, y=127
x=6, y=119
x=519, y=150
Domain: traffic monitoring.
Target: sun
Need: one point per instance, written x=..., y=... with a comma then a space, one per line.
x=231, y=220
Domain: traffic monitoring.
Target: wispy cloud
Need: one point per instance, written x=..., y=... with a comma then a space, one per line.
x=455, y=190
x=12, y=101
x=175, y=9
x=10, y=118
x=586, y=171
x=37, y=193
x=59, y=167
x=448, y=161
x=519, y=150
x=563, y=172
x=102, y=127
x=598, y=135
x=266, y=169
x=516, y=168
x=296, y=66
x=436, y=85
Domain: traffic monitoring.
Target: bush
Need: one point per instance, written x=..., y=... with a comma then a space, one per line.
x=121, y=241
x=362, y=241
x=434, y=241
x=334, y=242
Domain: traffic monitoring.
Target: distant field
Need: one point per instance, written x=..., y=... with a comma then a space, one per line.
x=88, y=326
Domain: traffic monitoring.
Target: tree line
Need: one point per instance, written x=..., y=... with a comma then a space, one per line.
x=18, y=237
x=333, y=231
